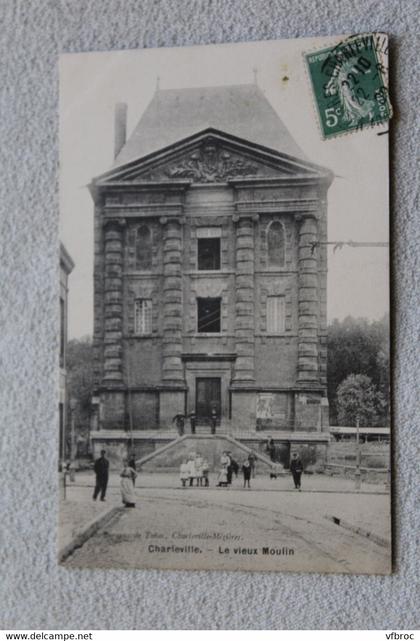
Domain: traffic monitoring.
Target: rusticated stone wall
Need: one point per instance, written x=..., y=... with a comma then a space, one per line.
x=322, y=275
x=113, y=302
x=308, y=302
x=245, y=301
x=98, y=296
x=172, y=371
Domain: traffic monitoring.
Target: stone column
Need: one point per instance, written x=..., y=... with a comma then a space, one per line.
x=113, y=302
x=308, y=306
x=244, y=306
x=172, y=370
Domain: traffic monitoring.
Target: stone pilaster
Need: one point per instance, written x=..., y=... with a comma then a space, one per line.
x=172, y=370
x=322, y=270
x=113, y=302
x=244, y=305
x=308, y=305
x=98, y=296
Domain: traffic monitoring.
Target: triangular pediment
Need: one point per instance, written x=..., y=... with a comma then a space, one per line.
x=210, y=157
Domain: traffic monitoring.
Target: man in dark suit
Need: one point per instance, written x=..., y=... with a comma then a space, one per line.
x=296, y=469
x=102, y=474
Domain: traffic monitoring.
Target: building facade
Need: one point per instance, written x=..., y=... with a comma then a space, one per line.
x=210, y=275
x=66, y=267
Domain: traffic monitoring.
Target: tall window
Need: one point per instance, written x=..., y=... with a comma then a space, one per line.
x=208, y=248
x=208, y=253
x=142, y=316
x=208, y=315
x=144, y=248
x=275, y=314
x=276, y=244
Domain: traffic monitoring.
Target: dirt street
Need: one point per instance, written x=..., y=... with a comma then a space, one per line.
x=226, y=528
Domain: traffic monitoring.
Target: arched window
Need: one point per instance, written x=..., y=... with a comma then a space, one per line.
x=276, y=244
x=144, y=248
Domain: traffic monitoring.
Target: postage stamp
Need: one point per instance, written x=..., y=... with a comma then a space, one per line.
x=350, y=83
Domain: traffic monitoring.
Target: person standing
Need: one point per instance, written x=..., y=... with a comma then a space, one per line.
x=213, y=421
x=252, y=459
x=101, y=468
x=246, y=471
x=271, y=448
x=199, y=469
x=223, y=474
x=184, y=472
x=229, y=469
x=132, y=463
x=296, y=469
x=179, y=420
x=128, y=477
x=232, y=469
x=191, y=470
x=222, y=479
x=205, y=476
x=192, y=422
x=234, y=465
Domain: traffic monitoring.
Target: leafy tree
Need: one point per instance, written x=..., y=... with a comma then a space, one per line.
x=359, y=400
x=358, y=346
x=80, y=381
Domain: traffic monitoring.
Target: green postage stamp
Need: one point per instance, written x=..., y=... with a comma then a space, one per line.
x=350, y=83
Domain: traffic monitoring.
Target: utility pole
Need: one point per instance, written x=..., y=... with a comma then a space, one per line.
x=358, y=473
x=73, y=405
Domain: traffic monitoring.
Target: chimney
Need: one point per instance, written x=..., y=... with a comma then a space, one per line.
x=120, y=124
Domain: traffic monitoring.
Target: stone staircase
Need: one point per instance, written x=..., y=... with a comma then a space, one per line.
x=205, y=429
x=170, y=456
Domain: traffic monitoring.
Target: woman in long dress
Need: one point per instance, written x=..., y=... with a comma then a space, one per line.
x=222, y=479
x=128, y=476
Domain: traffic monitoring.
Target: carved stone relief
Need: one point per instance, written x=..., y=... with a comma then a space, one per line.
x=210, y=163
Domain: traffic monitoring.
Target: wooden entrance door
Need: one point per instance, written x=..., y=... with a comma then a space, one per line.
x=207, y=398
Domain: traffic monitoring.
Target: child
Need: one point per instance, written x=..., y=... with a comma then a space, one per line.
x=191, y=470
x=199, y=469
x=246, y=471
x=205, y=472
x=184, y=472
x=276, y=470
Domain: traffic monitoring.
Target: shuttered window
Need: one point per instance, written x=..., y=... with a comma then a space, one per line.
x=142, y=316
x=275, y=314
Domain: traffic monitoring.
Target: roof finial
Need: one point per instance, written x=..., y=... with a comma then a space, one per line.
x=255, y=71
x=157, y=83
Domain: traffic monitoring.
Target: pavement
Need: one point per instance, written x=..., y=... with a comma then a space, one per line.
x=213, y=519
x=310, y=483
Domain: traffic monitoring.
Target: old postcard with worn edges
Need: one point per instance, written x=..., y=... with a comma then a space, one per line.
x=224, y=306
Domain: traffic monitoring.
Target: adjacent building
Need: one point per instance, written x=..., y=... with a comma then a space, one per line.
x=210, y=275
x=66, y=267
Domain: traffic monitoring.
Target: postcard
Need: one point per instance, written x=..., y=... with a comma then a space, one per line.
x=224, y=297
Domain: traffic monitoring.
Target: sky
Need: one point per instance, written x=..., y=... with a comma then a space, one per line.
x=358, y=208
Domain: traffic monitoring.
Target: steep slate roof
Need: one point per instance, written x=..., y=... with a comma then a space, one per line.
x=239, y=110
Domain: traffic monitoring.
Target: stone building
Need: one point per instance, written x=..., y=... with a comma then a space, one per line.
x=66, y=267
x=209, y=279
